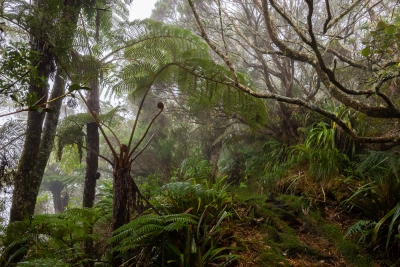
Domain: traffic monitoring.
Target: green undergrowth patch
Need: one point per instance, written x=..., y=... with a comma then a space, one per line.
x=347, y=248
x=278, y=219
x=284, y=219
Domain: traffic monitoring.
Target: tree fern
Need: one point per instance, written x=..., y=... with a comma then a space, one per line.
x=174, y=56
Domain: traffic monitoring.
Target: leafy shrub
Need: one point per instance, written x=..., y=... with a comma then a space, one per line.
x=320, y=153
x=379, y=201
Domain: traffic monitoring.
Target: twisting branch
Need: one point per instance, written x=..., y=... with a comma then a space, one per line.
x=341, y=15
x=272, y=31
x=251, y=44
x=328, y=10
x=211, y=45
x=331, y=75
x=291, y=23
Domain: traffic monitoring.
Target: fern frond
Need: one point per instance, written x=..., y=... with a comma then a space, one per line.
x=148, y=229
x=362, y=227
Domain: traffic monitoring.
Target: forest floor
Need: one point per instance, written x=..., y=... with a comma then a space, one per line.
x=289, y=231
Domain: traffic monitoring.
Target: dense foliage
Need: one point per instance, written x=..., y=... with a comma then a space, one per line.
x=220, y=133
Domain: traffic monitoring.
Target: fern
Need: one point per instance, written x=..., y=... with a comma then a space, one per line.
x=42, y=237
x=362, y=227
x=376, y=163
x=70, y=130
x=147, y=229
x=155, y=52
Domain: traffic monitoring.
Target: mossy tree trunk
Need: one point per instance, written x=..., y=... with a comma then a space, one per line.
x=26, y=187
x=39, y=138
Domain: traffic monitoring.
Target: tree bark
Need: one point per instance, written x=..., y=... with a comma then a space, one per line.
x=215, y=153
x=92, y=143
x=26, y=187
x=120, y=210
x=92, y=159
x=37, y=147
x=56, y=187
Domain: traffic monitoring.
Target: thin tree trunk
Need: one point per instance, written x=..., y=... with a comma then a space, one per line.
x=92, y=143
x=56, y=187
x=215, y=153
x=92, y=159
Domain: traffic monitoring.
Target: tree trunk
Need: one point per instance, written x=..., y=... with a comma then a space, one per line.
x=215, y=153
x=92, y=143
x=120, y=210
x=37, y=148
x=56, y=187
x=26, y=187
x=92, y=159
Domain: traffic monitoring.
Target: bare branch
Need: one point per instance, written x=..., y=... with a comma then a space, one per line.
x=329, y=17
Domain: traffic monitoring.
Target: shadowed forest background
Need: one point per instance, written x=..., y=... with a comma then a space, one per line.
x=214, y=133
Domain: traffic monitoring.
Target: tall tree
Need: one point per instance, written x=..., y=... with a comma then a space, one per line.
x=39, y=138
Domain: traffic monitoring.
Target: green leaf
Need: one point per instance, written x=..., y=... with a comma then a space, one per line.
x=391, y=29
x=37, y=108
x=14, y=98
x=48, y=110
x=86, y=88
x=32, y=108
x=74, y=87
x=366, y=51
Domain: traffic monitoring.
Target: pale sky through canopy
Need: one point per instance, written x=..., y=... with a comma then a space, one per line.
x=141, y=9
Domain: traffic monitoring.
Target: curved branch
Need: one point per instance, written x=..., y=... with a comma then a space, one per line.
x=140, y=152
x=341, y=15
x=291, y=23
x=329, y=17
x=144, y=135
x=210, y=44
x=287, y=51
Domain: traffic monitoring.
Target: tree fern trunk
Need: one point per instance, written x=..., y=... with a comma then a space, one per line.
x=120, y=210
